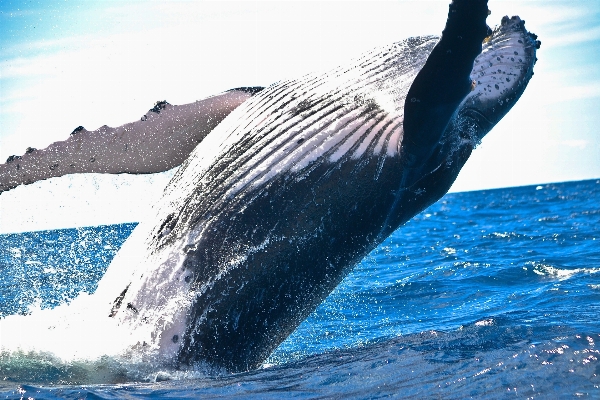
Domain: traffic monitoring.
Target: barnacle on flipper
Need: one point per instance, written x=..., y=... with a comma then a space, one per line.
x=158, y=106
x=77, y=130
x=12, y=158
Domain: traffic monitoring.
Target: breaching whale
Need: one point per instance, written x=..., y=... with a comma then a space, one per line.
x=279, y=202
x=301, y=181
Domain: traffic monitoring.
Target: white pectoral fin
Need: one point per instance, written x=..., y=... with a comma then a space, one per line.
x=160, y=140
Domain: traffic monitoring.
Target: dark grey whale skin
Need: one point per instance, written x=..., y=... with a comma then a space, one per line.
x=263, y=256
x=328, y=219
x=288, y=279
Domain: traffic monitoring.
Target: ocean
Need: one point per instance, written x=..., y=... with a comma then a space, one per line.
x=486, y=294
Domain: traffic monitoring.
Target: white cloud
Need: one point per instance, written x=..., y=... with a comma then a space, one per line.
x=580, y=144
x=579, y=36
x=563, y=93
x=545, y=13
x=581, y=92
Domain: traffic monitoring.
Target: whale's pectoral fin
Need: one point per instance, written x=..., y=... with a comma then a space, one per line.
x=443, y=82
x=162, y=139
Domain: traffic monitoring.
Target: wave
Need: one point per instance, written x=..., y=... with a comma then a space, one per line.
x=491, y=356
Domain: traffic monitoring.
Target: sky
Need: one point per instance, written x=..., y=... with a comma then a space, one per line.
x=69, y=63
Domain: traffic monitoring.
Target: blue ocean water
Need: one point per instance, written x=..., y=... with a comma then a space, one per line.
x=488, y=294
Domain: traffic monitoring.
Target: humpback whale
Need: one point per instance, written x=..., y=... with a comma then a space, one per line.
x=300, y=181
